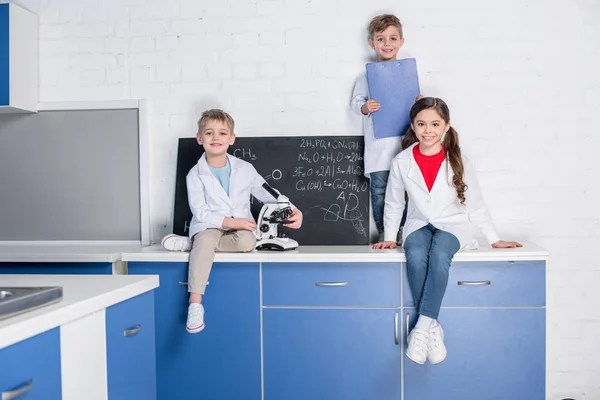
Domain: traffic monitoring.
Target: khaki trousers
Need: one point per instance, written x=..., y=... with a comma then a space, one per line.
x=205, y=244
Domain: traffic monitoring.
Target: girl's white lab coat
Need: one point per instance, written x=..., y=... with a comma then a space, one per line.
x=440, y=207
x=209, y=202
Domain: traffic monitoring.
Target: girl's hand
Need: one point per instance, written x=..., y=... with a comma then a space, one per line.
x=295, y=220
x=501, y=244
x=370, y=106
x=419, y=97
x=385, y=245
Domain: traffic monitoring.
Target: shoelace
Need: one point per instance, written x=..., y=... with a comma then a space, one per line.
x=435, y=339
x=420, y=341
x=177, y=243
x=180, y=243
x=195, y=312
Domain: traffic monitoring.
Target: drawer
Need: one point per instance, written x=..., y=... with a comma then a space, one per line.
x=31, y=369
x=331, y=284
x=130, y=350
x=491, y=284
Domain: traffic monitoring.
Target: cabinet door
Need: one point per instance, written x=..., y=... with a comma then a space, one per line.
x=493, y=354
x=130, y=354
x=222, y=361
x=30, y=370
x=91, y=268
x=324, y=354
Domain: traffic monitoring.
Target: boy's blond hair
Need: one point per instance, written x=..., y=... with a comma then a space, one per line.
x=215, y=115
x=381, y=22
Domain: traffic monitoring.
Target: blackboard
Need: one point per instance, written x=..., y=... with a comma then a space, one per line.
x=323, y=176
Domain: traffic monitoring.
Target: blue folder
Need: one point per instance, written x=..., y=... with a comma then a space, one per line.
x=395, y=85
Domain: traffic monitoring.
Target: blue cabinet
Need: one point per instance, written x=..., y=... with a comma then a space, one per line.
x=324, y=354
x=224, y=360
x=493, y=354
x=338, y=331
x=18, y=59
x=88, y=268
x=130, y=349
x=32, y=367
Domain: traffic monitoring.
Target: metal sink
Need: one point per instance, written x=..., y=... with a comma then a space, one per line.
x=15, y=300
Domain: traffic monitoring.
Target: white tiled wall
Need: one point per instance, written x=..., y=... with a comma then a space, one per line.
x=521, y=79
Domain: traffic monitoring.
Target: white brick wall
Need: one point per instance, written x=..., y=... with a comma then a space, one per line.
x=520, y=78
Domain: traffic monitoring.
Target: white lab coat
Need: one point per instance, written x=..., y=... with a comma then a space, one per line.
x=209, y=202
x=440, y=207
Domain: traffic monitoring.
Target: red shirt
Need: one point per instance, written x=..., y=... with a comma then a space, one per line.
x=429, y=165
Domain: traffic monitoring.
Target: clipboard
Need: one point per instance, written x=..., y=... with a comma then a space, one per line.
x=394, y=84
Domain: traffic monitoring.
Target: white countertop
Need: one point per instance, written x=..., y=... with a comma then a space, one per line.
x=365, y=253
x=64, y=251
x=82, y=295
x=82, y=252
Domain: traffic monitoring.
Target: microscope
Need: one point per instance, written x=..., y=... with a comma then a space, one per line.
x=271, y=215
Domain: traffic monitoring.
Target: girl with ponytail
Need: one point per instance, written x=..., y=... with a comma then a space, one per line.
x=444, y=203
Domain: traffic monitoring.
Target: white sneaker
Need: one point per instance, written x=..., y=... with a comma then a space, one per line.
x=437, y=348
x=176, y=243
x=195, y=319
x=418, y=346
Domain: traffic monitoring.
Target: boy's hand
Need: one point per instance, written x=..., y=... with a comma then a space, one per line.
x=385, y=245
x=501, y=244
x=370, y=106
x=419, y=97
x=239, y=224
x=295, y=220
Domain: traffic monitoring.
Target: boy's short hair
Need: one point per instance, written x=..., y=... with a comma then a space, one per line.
x=381, y=22
x=215, y=115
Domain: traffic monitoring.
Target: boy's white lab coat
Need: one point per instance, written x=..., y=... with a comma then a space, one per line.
x=209, y=202
x=440, y=207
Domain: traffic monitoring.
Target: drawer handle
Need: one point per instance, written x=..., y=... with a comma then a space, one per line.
x=407, y=323
x=396, y=340
x=331, y=284
x=182, y=283
x=131, y=332
x=13, y=394
x=474, y=283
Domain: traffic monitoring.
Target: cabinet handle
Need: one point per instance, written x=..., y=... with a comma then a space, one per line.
x=13, y=394
x=407, y=323
x=331, y=284
x=131, y=332
x=396, y=340
x=474, y=283
x=182, y=283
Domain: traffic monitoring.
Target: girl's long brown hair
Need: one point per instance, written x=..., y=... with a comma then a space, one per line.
x=450, y=142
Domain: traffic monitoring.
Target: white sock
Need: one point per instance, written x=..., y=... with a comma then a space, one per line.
x=423, y=323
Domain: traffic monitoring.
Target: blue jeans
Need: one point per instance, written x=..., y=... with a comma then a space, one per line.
x=429, y=253
x=379, y=181
x=378, y=184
